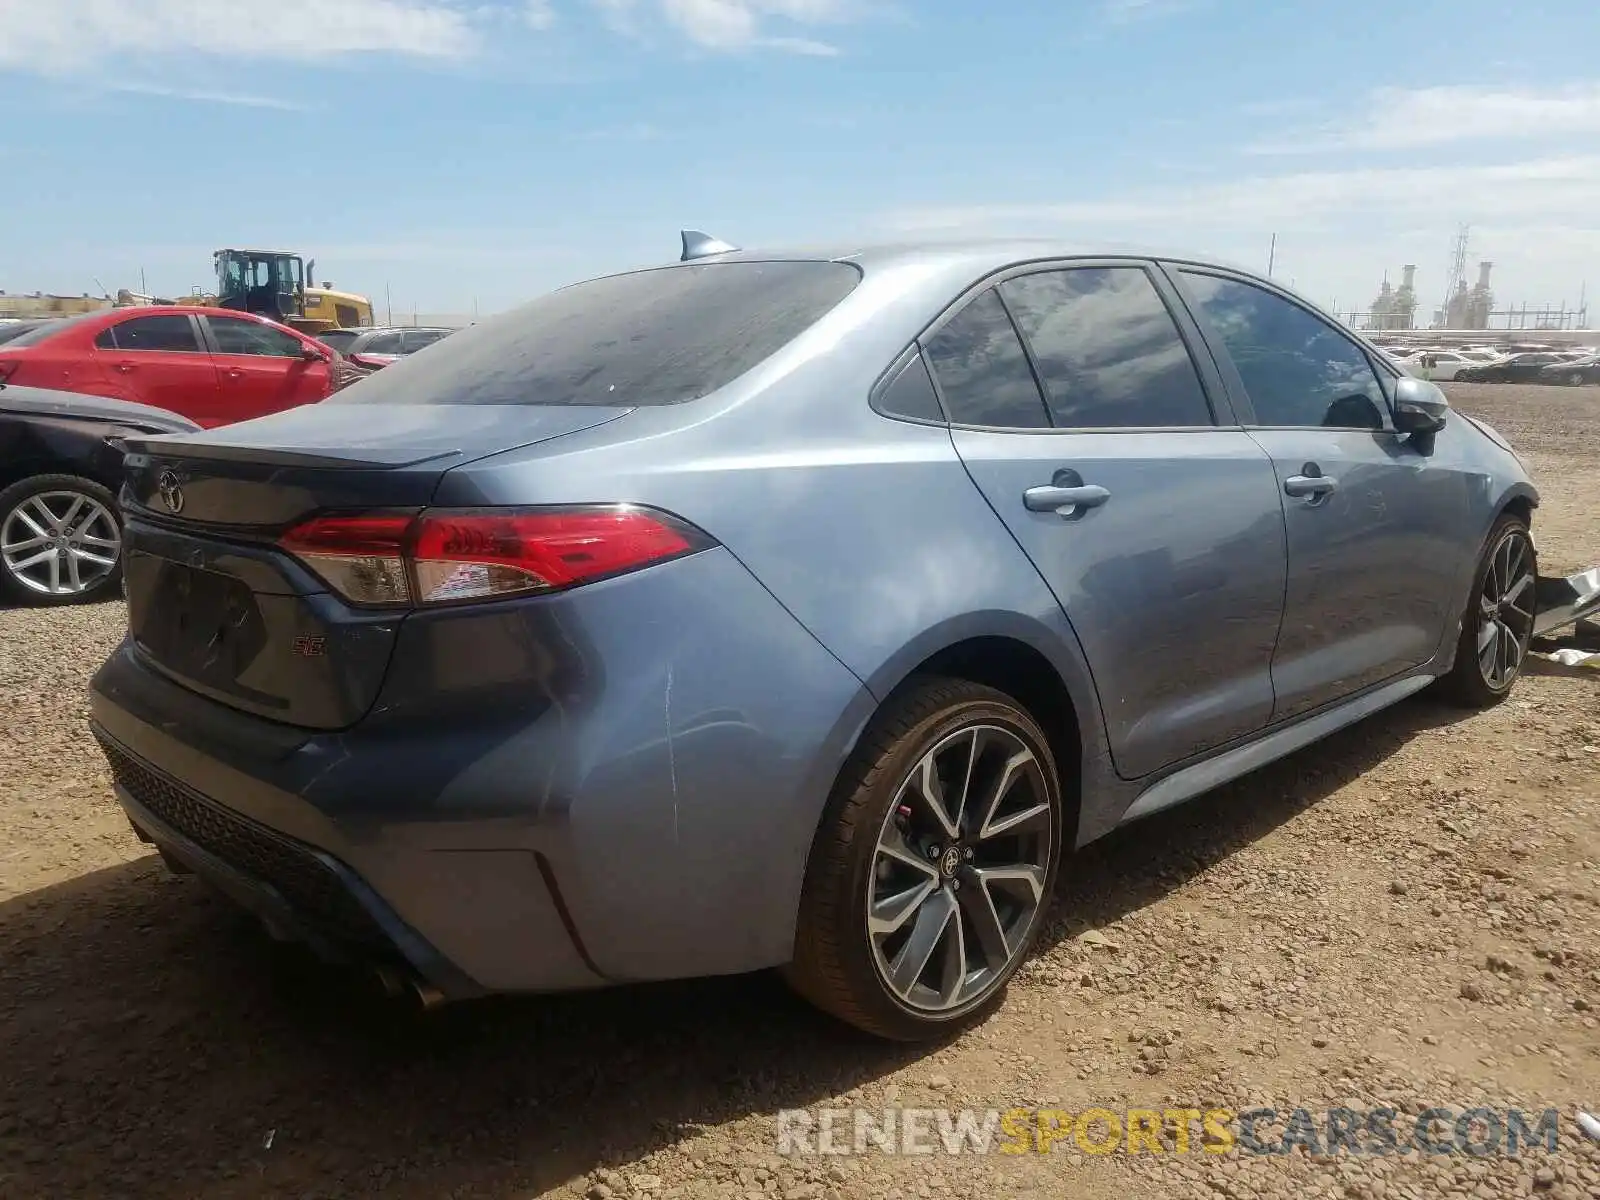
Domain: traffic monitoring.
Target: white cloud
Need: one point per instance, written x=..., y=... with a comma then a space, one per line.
x=65, y=35
x=238, y=99
x=1125, y=12
x=1338, y=230
x=735, y=25
x=1412, y=118
x=539, y=14
x=1567, y=186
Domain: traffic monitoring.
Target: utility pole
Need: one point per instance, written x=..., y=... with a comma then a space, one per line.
x=1272, y=255
x=388, y=305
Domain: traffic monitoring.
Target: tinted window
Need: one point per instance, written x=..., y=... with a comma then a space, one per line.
x=1108, y=352
x=649, y=337
x=911, y=394
x=252, y=337
x=1296, y=369
x=170, y=332
x=381, y=343
x=416, y=339
x=982, y=369
x=34, y=333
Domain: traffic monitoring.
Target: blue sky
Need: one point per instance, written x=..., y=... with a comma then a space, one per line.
x=467, y=153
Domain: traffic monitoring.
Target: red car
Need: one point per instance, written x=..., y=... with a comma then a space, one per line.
x=211, y=365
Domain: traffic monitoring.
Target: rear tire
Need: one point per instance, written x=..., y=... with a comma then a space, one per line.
x=1575, y=379
x=1497, y=624
x=933, y=865
x=60, y=541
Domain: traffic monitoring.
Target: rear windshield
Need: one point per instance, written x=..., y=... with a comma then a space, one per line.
x=48, y=329
x=645, y=338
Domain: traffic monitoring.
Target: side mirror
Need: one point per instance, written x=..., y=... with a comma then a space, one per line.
x=312, y=354
x=1419, y=406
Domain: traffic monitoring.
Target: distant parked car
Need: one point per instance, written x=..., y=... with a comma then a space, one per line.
x=60, y=469
x=1519, y=368
x=1574, y=373
x=1445, y=364
x=377, y=348
x=213, y=366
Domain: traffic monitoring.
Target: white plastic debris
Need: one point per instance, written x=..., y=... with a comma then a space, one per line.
x=1568, y=656
x=1589, y=1125
x=266, y=1143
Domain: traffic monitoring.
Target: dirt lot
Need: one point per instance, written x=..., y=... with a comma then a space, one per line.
x=1406, y=915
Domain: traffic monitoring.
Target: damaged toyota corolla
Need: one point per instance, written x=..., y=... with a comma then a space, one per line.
x=793, y=610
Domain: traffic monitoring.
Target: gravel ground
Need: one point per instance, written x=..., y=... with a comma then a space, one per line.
x=1405, y=915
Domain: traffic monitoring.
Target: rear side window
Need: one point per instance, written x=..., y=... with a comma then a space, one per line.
x=1108, y=351
x=911, y=394
x=416, y=339
x=982, y=369
x=646, y=338
x=383, y=343
x=168, y=332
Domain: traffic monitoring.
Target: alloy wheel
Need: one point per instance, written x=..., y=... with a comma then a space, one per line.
x=1506, y=610
x=960, y=869
x=60, y=543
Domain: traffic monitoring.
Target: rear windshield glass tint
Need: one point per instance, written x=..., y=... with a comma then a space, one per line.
x=48, y=329
x=645, y=338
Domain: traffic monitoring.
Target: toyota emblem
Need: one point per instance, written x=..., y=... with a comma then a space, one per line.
x=171, y=492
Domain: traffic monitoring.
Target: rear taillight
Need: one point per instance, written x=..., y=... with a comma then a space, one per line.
x=7, y=370
x=444, y=556
x=373, y=362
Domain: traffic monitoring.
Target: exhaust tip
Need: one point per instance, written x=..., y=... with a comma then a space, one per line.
x=427, y=996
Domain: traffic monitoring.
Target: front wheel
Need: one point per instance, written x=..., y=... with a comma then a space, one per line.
x=933, y=866
x=1575, y=379
x=1498, y=623
x=60, y=540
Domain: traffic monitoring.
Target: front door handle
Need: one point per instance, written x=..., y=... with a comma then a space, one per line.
x=1066, y=501
x=1314, y=486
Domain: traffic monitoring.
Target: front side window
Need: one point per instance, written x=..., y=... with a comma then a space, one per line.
x=983, y=370
x=1297, y=370
x=251, y=337
x=1108, y=351
x=170, y=332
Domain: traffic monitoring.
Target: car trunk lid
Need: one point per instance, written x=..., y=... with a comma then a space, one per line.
x=216, y=605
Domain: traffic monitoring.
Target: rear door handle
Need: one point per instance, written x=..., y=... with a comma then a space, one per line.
x=1065, y=500
x=1309, y=485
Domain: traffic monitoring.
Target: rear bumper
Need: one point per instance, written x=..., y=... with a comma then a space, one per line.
x=1561, y=601
x=551, y=794
x=299, y=893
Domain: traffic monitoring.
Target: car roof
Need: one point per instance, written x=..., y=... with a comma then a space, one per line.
x=974, y=256
x=17, y=399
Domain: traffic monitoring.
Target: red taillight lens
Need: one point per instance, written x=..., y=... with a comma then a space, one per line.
x=443, y=556
x=361, y=557
x=8, y=369
x=373, y=361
